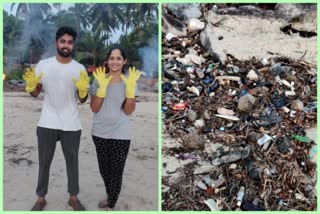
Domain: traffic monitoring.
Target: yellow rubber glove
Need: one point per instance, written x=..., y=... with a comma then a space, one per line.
x=103, y=82
x=131, y=82
x=82, y=84
x=31, y=79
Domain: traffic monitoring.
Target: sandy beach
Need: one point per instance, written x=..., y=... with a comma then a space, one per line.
x=20, y=167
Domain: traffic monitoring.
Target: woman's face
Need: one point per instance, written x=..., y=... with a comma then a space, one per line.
x=116, y=61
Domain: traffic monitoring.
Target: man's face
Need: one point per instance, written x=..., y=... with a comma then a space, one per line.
x=65, y=45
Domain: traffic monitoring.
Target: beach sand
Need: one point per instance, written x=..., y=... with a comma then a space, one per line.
x=20, y=162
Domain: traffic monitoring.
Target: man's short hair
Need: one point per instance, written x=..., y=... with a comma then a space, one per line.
x=66, y=30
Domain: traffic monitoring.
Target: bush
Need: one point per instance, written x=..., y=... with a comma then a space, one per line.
x=15, y=74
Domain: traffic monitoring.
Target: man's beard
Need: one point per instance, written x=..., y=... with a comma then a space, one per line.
x=64, y=54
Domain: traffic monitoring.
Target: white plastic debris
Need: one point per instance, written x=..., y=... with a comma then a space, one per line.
x=252, y=75
x=228, y=117
x=214, y=206
x=297, y=105
x=266, y=138
x=216, y=183
x=195, y=24
x=240, y=196
x=290, y=93
x=199, y=123
x=191, y=59
x=202, y=185
x=225, y=111
x=194, y=90
x=264, y=61
x=170, y=36
x=233, y=166
x=285, y=109
x=300, y=197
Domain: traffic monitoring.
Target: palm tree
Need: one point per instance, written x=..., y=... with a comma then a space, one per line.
x=128, y=12
x=109, y=16
x=33, y=15
x=145, y=13
x=81, y=12
x=62, y=18
x=91, y=47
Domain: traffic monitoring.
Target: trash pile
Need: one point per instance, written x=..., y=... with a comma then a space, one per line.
x=234, y=132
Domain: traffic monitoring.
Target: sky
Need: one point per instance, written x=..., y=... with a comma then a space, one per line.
x=7, y=7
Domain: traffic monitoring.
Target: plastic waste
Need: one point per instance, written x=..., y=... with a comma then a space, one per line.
x=252, y=75
x=216, y=183
x=251, y=207
x=232, y=156
x=278, y=101
x=199, y=73
x=199, y=123
x=171, y=36
x=185, y=157
x=240, y=196
x=166, y=87
x=266, y=138
x=207, y=80
x=242, y=92
x=284, y=145
x=164, y=109
x=179, y=106
x=192, y=115
x=212, y=205
x=195, y=24
x=303, y=139
x=278, y=70
x=209, y=69
x=311, y=106
x=312, y=156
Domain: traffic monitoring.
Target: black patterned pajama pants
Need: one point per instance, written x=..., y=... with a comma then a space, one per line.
x=112, y=155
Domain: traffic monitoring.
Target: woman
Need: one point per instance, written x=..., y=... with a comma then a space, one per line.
x=112, y=101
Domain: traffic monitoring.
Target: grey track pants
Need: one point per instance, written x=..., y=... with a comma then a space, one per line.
x=47, y=140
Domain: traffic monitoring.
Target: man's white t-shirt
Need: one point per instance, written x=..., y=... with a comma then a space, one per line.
x=59, y=107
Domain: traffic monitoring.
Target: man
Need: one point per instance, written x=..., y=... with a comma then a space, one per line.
x=63, y=81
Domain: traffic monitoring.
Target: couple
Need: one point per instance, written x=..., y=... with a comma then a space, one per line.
x=63, y=81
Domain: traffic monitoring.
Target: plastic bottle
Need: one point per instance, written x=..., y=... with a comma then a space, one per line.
x=240, y=196
x=209, y=69
x=301, y=138
x=199, y=73
x=312, y=156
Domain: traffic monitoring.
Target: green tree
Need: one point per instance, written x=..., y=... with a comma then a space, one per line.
x=34, y=14
x=145, y=14
x=82, y=15
x=136, y=39
x=107, y=16
x=12, y=30
x=91, y=48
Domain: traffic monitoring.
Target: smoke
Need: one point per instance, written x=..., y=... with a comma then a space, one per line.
x=149, y=55
x=35, y=40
